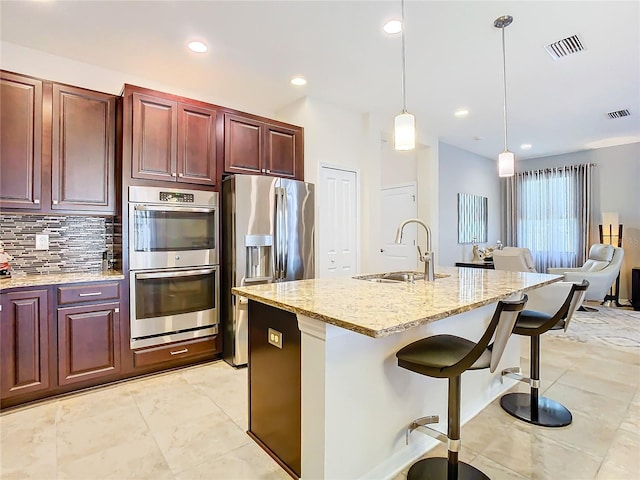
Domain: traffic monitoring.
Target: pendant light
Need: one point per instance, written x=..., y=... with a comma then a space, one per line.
x=404, y=123
x=506, y=160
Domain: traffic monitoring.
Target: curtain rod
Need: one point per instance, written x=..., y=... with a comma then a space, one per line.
x=551, y=169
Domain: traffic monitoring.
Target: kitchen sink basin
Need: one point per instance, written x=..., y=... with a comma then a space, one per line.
x=396, y=277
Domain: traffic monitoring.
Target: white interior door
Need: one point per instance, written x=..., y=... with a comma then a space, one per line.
x=338, y=222
x=398, y=204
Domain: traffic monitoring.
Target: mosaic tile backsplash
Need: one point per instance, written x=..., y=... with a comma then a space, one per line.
x=76, y=244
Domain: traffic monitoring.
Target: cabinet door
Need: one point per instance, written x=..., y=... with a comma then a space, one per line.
x=88, y=342
x=196, y=145
x=242, y=145
x=20, y=141
x=24, y=343
x=83, y=150
x=154, y=142
x=280, y=151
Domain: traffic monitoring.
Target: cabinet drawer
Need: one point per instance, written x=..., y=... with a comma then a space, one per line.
x=88, y=293
x=173, y=352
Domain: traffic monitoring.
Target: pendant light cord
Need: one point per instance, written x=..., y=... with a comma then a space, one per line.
x=504, y=82
x=404, y=84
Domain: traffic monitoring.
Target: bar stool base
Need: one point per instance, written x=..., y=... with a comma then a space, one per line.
x=550, y=413
x=436, y=468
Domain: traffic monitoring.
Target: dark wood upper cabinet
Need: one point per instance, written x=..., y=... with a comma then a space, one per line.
x=83, y=150
x=57, y=148
x=172, y=141
x=24, y=343
x=155, y=132
x=196, y=144
x=259, y=147
x=20, y=141
x=282, y=146
x=243, y=148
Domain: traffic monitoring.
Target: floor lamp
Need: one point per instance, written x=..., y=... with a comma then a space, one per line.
x=610, y=220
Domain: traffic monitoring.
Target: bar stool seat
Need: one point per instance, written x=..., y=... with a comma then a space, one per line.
x=448, y=356
x=531, y=407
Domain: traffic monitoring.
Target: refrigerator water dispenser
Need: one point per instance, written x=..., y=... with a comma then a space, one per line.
x=258, y=256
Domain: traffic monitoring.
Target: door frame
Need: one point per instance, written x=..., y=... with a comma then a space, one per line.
x=343, y=168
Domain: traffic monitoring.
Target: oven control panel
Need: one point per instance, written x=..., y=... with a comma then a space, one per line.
x=176, y=197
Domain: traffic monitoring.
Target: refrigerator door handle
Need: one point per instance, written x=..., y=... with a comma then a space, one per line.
x=285, y=235
x=279, y=233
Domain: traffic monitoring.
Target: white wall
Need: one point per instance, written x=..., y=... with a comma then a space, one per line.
x=465, y=172
x=336, y=137
x=616, y=188
x=362, y=142
x=397, y=167
x=35, y=63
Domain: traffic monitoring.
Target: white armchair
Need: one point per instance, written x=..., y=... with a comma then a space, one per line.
x=514, y=259
x=601, y=269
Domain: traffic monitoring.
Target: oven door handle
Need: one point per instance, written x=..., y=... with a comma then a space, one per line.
x=162, y=208
x=183, y=273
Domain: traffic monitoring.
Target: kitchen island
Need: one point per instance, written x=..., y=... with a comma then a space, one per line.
x=355, y=401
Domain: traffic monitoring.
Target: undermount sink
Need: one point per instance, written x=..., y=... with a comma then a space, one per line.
x=395, y=277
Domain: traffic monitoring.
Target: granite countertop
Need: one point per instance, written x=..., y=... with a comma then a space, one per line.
x=25, y=280
x=381, y=309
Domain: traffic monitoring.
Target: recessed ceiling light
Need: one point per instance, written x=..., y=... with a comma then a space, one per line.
x=197, y=47
x=526, y=146
x=298, y=81
x=461, y=113
x=393, y=26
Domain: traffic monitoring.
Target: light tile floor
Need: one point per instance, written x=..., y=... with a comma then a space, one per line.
x=191, y=424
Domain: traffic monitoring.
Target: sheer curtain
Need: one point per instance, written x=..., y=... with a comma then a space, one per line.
x=549, y=211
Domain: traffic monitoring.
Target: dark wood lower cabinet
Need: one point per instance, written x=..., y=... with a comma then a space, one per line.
x=88, y=342
x=275, y=384
x=24, y=343
x=146, y=357
x=56, y=339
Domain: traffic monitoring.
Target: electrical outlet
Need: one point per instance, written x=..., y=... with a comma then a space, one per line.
x=42, y=242
x=275, y=338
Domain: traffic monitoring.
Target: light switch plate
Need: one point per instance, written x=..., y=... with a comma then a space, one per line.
x=275, y=338
x=42, y=242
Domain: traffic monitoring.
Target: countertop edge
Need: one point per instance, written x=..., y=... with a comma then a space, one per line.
x=22, y=281
x=397, y=328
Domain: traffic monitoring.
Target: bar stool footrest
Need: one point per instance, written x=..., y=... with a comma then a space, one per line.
x=436, y=468
x=548, y=413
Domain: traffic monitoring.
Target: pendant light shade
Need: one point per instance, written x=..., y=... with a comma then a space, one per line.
x=404, y=128
x=506, y=160
x=506, y=164
x=405, y=131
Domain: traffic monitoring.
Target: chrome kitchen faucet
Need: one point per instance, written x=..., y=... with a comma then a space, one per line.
x=427, y=257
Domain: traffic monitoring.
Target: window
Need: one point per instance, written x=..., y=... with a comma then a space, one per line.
x=551, y=215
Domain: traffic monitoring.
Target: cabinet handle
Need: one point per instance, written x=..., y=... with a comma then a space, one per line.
x=181, y=174
x=55, y=202
x=268, y=171
x=94, y=294
x=178, y=352
x=36, y=201
x=174, y=174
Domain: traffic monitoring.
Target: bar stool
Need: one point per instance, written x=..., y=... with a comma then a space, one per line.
x=447, y=356
x=531, y=407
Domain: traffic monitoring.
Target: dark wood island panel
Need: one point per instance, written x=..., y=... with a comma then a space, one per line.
x=275, y=384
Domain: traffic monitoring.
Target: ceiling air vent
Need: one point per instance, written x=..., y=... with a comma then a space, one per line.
x=619, y=113
x=564, y=47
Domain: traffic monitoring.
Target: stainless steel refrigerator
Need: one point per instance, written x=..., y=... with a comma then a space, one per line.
x=267, y=236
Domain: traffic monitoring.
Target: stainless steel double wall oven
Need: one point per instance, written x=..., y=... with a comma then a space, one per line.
x=174, y=264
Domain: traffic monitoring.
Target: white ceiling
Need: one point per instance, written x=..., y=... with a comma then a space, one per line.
x=453, y=55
